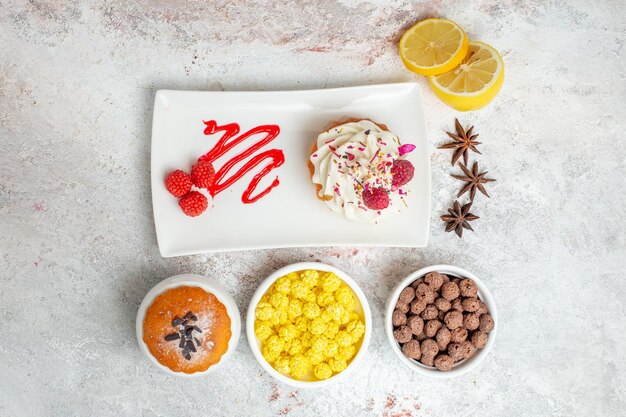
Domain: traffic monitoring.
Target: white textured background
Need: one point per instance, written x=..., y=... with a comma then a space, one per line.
x=77, y=244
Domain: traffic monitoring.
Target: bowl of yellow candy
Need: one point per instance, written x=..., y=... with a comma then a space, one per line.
x=308, y=324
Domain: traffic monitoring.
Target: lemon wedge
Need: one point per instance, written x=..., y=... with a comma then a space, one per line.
x=473, y=83
x=433, y=46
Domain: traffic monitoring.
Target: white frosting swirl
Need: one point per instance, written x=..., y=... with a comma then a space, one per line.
x=352, y=157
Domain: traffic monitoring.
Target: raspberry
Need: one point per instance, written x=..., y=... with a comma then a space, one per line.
x=178, y=183
x=193, y=203
x=402, y=171
x=203, y=174
x=376, y=199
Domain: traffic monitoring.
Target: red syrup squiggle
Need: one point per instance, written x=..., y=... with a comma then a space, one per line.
x=230, y=130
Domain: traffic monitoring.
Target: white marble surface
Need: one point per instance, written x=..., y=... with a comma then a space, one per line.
x=77, y=244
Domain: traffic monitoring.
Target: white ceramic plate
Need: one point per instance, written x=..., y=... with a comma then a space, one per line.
x=290, y=215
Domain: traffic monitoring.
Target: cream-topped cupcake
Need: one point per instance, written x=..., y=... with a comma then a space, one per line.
x=359, y=170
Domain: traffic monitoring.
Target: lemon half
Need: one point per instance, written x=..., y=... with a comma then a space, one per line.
x=433, y=46
x=474, y=82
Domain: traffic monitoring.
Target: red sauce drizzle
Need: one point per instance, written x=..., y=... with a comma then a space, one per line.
x=222, y=180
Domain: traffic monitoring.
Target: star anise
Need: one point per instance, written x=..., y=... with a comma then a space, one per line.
x=473, y=181
x=463, y=142
x=459, y=218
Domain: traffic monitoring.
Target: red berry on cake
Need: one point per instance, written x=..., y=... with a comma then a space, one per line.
x=178, y=183
x=402, y=171
x=193, y=203
x=203, y=174
x=376, y=198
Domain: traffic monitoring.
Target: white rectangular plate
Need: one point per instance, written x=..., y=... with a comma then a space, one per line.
x=290, y=215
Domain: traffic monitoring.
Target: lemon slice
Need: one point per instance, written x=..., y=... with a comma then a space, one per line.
x=475, y=82
x=433, y=46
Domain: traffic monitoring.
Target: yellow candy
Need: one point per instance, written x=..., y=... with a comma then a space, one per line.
x=264, y=313
x=345, y=317
x=319, y=343
x=279, y=301
x=326, y=316
x=317, y=326
x=283, y=285
x=309, y=277
x=314, y=356
x=274, y=343
x=293, y=276
x=322, y=371
x=269, y=354
x=324, y=298
x=287, y=332
x=343, y=338
x=296, y=347
x=279, y=317
x=336, y=310
x=356, y=328
x=330, y=282
x=282, y=364
x=295, y=309
x=331, y=349
x=299, y=289
x=302, y=324
x=337, y=365
x=332, y=329
x=263, y=329
x=354, y=316
x=299, y=366
x=344, y=296
x=311, y=297
x=345, y=353
x=311, y=311
x=305, y=339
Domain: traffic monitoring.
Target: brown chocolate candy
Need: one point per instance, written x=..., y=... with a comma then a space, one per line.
x=443, y=338
x=482, y=309
x=411, y=349
x=450, y=291
x=416, y=324
x=486, y=323
x=430, y=312
x=398, y=318
x=458, y=335
x=427, y=360
x=470, y=304
x=415, y=283
x=467, y=349
x=418, y=305
x=407, y=295
x=431, y=327
x=421, y=337
x=453, y=319
x=434, y=280
x=442, y=304
x=457, y=304
x=402, y=307
x=468, y=288
x=402, y=334
x=479, y=339
x=471, y=321
x=429, y=348
x=424, y=291
x=443, y=362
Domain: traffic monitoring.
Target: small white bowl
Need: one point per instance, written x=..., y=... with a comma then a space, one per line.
x=255, y=343
x=191, y=280
x=463, y=366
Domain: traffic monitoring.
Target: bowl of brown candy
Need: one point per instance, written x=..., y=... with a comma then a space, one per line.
x=441, y=321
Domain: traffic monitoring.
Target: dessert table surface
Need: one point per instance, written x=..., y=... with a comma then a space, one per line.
x=78, y=250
